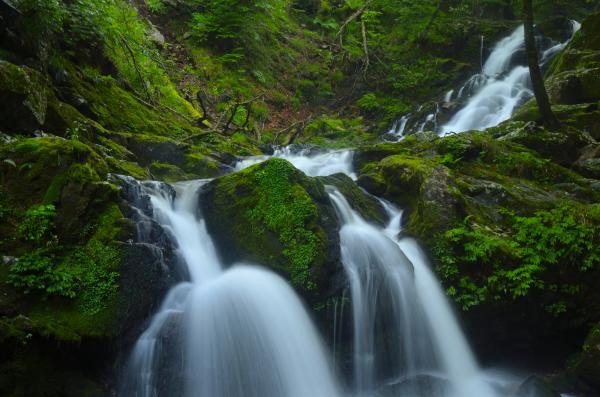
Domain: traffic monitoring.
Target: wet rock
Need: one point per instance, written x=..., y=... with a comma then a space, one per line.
x=586, y=365
x=274, y=215
x=362, y=202
x=419, y=385
x=535, y=386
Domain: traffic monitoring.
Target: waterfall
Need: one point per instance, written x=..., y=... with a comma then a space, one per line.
x=491, y=96
x=423, y=352
x=240, y=332
x=243, y=332
x=309, y=161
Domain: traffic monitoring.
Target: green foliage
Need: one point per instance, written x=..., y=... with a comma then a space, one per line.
x=486, y=264
x=286, y=209
x=221, y=20
x=37, y=223
x=156, y=6
x=87, y=272
x=44, y=18
x=37, y=271
x=93, y=266
x=368, y=102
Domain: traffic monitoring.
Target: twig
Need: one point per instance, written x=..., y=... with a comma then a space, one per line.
x=136, y=66
x=351, y=18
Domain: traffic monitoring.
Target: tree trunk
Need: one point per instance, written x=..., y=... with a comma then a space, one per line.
x=537, y=80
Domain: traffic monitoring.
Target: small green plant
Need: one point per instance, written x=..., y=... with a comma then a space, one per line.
x=368, y=102
x=93, y=267
x=156, y=6
x=37, y=223
x=37, y=271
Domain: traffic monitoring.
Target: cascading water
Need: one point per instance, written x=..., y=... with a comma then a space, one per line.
x=491, y=96
x=240, y=332
x=423, y=352
x=319, y=163
x=499, y=94
x=244, y=332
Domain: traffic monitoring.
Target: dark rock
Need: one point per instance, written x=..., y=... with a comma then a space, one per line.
x=535, y=386
x=586, y=365
x=366, y=205
x=418, y=385
x=588, y=163
x=23, y=98
x=144, y=281
x=243, y=212
x=563, y=146
x=149, y=149
x=266, y=149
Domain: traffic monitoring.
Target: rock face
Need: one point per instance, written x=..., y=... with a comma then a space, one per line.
x=488, y=210
x=274, y=215
x=367, y=206
x=575, y=74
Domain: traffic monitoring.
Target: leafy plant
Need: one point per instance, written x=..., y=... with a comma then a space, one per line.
x=484, y=264
x=37, y=223
x=37, y=271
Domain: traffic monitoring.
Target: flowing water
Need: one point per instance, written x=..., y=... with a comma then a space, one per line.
x=311, y=161
x=491, y=96
x=243, y=332
x=240, y=332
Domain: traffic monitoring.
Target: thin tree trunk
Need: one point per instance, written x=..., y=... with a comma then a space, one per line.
x=539, y=90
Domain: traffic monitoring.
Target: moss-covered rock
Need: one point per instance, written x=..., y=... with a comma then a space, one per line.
x=586, y=365
x=484, y=208
x=366, y=205
x=274, y=215
x=23, y=98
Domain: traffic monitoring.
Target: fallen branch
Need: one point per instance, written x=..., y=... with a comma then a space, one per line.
x=365, y=47
x=136, y=67
x=300, y=124
x=351, y=18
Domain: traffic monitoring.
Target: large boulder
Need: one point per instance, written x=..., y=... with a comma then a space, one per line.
x=274, y=215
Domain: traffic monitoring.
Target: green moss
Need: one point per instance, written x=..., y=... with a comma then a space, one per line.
x=269, y=213
x=167, y=172
x=128, y=168
x=286, y=209
x=25, y=84
x=201, y=165
x=366, y=205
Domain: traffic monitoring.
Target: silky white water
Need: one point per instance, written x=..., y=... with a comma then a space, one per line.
x=241, y=332
x=490, y=96
x=312, y=164
x=501, y=87
x=390, y=281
